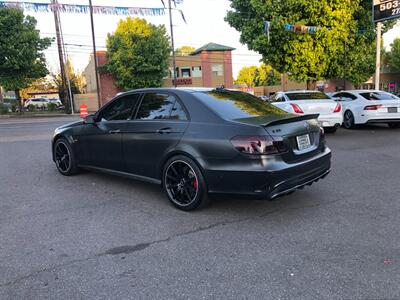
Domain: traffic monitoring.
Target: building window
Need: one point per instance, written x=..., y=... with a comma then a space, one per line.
x=218, y=69
x=185, y=72
x=196, y=72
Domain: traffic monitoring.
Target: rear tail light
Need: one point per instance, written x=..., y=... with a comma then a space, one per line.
x=338, y=108
x=296, y=108
x=258, y=145
x=373, y=107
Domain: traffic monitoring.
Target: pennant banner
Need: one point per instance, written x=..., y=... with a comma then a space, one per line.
x=301, y=28
x=73, y=8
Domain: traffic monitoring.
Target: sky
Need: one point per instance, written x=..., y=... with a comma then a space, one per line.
x=205, y=23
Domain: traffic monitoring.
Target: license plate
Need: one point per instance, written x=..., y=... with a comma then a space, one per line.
x=392, y=110
x=303, y=142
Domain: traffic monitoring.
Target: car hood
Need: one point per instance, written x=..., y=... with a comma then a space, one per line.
x=69, y=125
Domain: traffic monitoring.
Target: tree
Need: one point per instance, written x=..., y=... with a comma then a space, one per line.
x=21, y=51
x=258, y=76
x=342, y=26
x=184, y=50
x=266, y=75
x=138, y=54
x=76, y=79
x=247, y=76
x=393, y=56
x=40, y=85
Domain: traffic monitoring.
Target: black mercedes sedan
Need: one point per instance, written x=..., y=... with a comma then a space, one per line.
x=194, y=142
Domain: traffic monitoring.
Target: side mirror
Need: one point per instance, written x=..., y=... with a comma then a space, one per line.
x=90, y=119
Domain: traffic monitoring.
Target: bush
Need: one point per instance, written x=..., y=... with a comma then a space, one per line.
x=3, y=109
x=31, y=108
x=52, y=107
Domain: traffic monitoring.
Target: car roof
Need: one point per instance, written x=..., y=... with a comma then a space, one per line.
x=301, y=91
x=162, y=89
x=361, y=91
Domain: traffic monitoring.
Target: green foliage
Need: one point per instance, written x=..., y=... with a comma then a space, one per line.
x=258, y=76
x=267, y=76
x=138, y=54
x=51, y=107
x=247, y=76
x=21, y=58
x=31, y=108
x=4, y=109
x=310, y=57
x=184, y=50
x=393, y=56
x=75, y=79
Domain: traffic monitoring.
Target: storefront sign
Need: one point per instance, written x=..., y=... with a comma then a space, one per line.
x=386, y=10
x=183, y=81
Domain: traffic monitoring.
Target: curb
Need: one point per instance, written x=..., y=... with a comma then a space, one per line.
x=37, y=116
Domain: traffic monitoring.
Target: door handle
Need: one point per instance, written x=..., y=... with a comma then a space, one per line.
x=114, y=131
x=164, y=130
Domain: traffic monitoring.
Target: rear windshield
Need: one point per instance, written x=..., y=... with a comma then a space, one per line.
x=307, y=96
x=379, y=96
x=232, y=105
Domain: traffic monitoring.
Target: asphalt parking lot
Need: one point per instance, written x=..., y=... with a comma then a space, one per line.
x=95, y=236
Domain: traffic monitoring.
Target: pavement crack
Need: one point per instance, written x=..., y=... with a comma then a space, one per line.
x=142, y=246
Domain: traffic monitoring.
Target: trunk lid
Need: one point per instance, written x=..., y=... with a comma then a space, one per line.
x=292, y=131
x=322, y=106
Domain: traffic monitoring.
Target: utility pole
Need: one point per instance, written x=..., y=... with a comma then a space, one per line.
x=60, y=52
x=345, y=65
x=173, y=44
x=96, y=64
x=378, y=55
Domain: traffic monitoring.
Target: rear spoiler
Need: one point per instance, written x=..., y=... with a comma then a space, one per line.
x=291, y=120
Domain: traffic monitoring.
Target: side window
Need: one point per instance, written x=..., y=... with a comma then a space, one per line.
x=177, y=112
x=120, y=109
x=156, y=106
x=279, y=98
x=347, y=97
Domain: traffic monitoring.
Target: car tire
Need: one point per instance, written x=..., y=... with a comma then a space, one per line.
x=64, y=157
x=348, y=120
x=330, y=129
x=184, y=184
x=394, y=125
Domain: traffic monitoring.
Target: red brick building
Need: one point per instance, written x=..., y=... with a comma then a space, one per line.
x=208, y=66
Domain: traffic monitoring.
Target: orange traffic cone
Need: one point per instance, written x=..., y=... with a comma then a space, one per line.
x=83, y=111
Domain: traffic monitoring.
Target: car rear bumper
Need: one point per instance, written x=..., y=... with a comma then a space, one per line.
x=333, y=120
x=371, y=121
x=378, y=117
x=273, y=179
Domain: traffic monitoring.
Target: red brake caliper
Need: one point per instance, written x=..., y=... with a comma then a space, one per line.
x=195, y=183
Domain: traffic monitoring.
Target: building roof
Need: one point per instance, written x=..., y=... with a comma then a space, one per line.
x=212, y=47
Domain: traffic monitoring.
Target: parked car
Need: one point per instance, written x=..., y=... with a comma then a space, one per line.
x=368, y=106
x=55, y=101
x=311, y=102
x=37, y=103
x=264, y=98
x=197, y=141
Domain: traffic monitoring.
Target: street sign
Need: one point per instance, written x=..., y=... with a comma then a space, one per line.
x=386, y=10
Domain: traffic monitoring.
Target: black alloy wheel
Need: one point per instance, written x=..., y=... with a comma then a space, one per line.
x=184, y=184
x=394, y=125
x=348, y=120
x=64, y=157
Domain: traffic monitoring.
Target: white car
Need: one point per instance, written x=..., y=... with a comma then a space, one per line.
x=311, y=102
x=37, y=103
x=55, y=101
x=368, y=106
